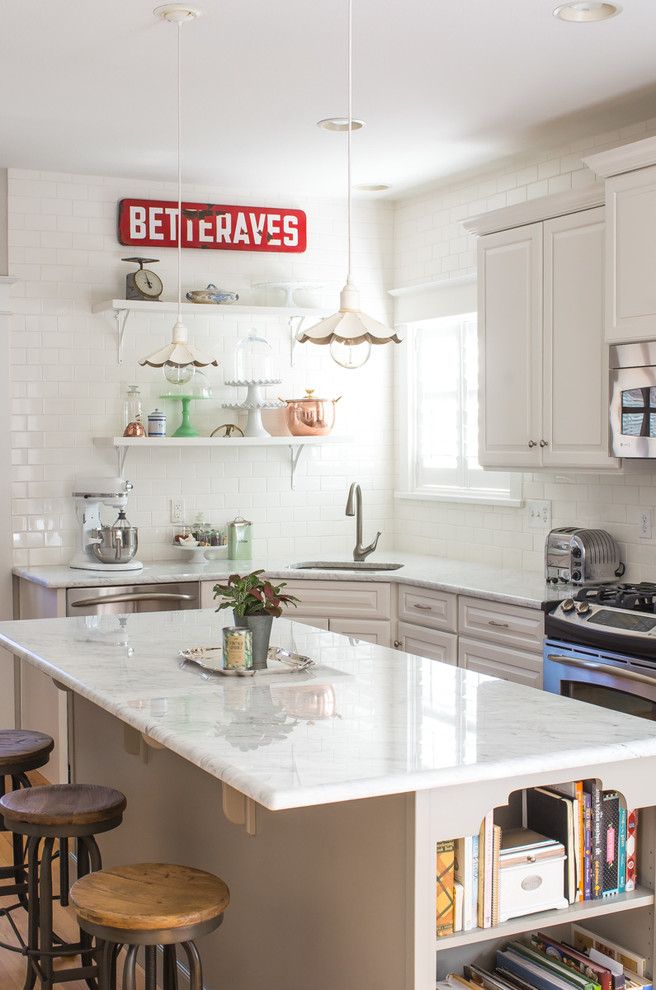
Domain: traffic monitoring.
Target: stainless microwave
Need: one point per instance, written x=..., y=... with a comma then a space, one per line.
x=633, y=400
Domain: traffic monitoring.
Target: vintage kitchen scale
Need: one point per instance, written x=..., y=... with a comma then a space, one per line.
x=143, y=283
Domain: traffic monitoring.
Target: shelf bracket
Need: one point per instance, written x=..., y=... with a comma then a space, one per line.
x=238, y=809
x=121, y=454
x=294, y=455
x=295, y=326
x=121, y=319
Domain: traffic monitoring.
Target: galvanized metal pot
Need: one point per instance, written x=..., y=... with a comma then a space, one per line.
x=260, y=627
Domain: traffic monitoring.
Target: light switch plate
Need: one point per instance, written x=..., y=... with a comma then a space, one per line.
x=539, y=513
x=645, y=524
x=177, y=510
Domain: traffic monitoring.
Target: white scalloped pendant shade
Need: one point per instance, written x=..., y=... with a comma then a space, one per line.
x=179, y=352
x=350, y=325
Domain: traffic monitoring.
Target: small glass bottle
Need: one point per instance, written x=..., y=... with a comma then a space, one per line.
x=132, y=411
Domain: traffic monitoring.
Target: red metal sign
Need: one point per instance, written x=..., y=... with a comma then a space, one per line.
x=154, y=223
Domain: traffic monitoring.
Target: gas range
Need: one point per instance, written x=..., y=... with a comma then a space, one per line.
x=618, y=617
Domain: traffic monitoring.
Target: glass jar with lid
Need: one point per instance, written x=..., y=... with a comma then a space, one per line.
x=133, y=413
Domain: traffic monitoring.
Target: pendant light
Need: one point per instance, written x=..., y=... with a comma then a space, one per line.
x=349, y=332
x=180, y=358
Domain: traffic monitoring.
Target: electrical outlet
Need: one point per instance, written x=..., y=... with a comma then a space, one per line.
x=177, y=510
x=539, y=513
x=645, y=524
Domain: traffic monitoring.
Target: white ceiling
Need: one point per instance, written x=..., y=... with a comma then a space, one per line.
x=443, y=85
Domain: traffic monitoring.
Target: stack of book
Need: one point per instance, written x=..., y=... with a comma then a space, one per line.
x=598, y=836
x=540, y=962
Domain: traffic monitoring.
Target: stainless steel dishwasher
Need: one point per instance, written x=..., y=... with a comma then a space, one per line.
x=118, y=600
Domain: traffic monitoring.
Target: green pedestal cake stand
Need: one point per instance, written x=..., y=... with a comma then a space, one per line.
x=185, y=428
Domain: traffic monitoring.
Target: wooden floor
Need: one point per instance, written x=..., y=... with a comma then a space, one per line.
x=12, y=965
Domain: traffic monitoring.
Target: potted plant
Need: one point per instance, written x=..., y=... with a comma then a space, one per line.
x=254, y=603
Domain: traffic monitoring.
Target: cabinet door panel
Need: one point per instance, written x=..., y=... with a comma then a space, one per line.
x=319, y=622
x=575, y=368
x=500, y=661
x=510, y=357
x=428, y=643
x=369, y=630
x=631, y=256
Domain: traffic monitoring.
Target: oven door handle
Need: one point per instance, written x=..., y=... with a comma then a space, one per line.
x=117, y=599
x=628, y=675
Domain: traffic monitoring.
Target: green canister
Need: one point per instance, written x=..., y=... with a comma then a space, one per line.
x=240, y=539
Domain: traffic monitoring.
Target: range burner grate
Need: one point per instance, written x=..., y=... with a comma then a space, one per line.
x=640, y=597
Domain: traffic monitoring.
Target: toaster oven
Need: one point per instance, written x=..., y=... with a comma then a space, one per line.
x=581, y=556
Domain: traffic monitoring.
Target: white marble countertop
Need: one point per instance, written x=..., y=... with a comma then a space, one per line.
x=366, y=721
x=480, y=580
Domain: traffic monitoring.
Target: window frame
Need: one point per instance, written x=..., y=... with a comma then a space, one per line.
x=408, y=486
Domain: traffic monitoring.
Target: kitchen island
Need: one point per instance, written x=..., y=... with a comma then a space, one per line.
x=319, y=796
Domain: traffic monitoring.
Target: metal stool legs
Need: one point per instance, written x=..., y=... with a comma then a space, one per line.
x=43, y=945
x=108, y=951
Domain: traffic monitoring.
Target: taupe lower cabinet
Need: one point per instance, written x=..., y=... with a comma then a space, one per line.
x=482, y=635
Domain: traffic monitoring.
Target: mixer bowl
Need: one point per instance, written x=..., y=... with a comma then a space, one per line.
x=117, y=545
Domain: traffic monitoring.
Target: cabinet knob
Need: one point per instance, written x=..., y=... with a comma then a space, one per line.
x=544, y=443
x=398, y=644
x=532, y=443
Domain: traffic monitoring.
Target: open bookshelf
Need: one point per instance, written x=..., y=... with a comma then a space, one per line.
x=626, y=918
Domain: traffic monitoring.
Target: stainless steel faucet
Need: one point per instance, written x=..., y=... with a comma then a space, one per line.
x=354, y=508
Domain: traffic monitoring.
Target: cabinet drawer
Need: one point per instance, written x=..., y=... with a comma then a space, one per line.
x=424, y=607
x=429, y=643
x=499, y=623
x=341, y=599
x=369, y=630
x=500, y=661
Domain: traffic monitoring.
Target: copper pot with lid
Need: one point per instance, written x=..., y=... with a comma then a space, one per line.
x=310, y=416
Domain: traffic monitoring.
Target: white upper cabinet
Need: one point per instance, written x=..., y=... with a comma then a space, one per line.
x=543, y=359
x=509, y=327
x=631, y=288
x=575, y=360
x=630, y=174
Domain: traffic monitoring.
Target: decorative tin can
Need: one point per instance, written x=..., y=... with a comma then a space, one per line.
x=240, y=536
x=237, y=648
x=157, y=423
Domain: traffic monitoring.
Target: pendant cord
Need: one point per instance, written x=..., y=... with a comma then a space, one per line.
x=350, y=128
x=179, y=26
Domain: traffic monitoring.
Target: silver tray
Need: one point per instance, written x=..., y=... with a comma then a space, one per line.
x=280, y=661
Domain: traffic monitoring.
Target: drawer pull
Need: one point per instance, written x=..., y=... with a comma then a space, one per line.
x=501, y=625
x=424, y=608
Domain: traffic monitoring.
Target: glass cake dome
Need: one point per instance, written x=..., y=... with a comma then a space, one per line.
x=255, y=361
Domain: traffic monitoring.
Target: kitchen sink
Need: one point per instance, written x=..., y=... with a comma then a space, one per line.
x=344, y=565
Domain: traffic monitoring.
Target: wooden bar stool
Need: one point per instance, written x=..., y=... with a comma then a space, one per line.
x=149, y=904
x=58, y=812
x=21, y=750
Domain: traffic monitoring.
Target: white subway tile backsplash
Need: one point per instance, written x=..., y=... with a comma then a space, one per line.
x=67, y=386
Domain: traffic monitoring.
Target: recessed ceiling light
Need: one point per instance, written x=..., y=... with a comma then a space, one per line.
x=339, y=124
x=584, y=11
x=372, y=187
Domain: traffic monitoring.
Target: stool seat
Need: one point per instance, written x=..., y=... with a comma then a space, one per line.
x=24, y=746
x=149, y=897
x=63, y=804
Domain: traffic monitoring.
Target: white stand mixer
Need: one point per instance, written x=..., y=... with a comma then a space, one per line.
x=104, y=548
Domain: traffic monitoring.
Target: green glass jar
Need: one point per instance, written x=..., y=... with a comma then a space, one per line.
x=240, y=539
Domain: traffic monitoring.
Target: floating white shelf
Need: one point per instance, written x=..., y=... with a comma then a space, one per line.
x=295, y=445
x=120, y=309
x=641, y=897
